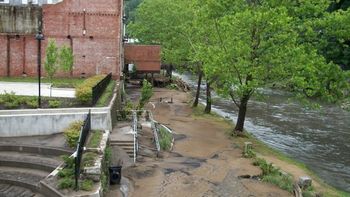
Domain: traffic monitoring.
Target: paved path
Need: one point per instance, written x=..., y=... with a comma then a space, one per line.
x=31, y=89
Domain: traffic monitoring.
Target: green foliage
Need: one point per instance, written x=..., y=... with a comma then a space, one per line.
x=272, y=175
x=72, y=133
x=87, y=185
x=146, y=93
x=32, y=102
x=267, y=168
x=165, y=139
x=51, y=59
x=66, y=173
x=107, y=95
x=66, y=59
x=65, y=183
x=83, y=91
x=56, y=82
x=10, y=100
x=95, y=139
x=54, y=103
x=284, y=182
x=172, y=86
x=89, y=159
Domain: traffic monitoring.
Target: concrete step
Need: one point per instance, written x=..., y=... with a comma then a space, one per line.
x=121, y=144
x=42, y=150
x=14, y=191
x=31, y=161
x=23, y=178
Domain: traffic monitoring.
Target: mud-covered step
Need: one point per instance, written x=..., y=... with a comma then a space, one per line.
x=25, y=160
x=7, y=190
x=21, y=177
x=40, y=150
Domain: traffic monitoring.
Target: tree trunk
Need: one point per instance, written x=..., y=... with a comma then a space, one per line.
x=208, y=106
x=241, y=115
x=200, y=74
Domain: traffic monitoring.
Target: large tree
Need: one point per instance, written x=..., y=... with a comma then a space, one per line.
x=253, y=44
x=170, y=23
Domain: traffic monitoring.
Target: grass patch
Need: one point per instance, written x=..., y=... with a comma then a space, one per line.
x=95, y=139
x=56, y=82
x=13, y=101
x=107, y=95
x=87, y=185
x=89, y=159
x=165, y=139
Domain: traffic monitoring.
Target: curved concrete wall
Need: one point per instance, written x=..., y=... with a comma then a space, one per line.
x=15, y=123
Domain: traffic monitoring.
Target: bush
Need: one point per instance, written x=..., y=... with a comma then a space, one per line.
x=66, y=172
x=87, y=185
x=72, y=133
x=54, y=103
x=65, y=183
x=32, y=103
x=165, y=139
x=89, y=159
x=10, y=100
x=284, y=182
x=83, y=92
x=146, y=93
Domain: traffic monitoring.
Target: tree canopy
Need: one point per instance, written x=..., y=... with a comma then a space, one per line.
x=246, y=45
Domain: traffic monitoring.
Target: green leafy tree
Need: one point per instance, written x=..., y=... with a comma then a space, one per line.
x=146, y=93
x=254, y=44
x=51, y=65
x=66, y=59
x=170, y=23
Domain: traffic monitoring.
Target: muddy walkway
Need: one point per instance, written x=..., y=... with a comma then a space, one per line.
x=203, y=162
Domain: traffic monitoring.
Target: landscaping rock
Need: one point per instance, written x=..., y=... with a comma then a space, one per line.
x=304, y=182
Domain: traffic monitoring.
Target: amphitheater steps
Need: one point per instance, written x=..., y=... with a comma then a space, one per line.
x=22, y=167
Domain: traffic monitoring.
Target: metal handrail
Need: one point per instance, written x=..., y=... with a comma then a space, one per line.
x=84, y=132
x=134, y=115
x=155, y=130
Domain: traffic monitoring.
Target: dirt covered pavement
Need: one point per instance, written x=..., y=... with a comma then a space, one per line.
x=203, y=162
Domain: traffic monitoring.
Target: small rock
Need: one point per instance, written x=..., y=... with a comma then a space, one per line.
x=304, y=182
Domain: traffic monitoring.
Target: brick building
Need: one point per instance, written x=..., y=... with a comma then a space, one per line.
x=92, y=28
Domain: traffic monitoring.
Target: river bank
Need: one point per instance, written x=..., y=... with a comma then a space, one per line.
x=317, y=138
x=205, y=160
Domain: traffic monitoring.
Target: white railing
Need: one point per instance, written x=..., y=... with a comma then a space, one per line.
x=155, y=130
x=134, y=117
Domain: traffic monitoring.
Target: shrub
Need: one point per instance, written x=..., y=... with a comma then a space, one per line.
x=165, y=139
x=83, y=92
x=65, y=183
x=89, y=159
x=87, y=185
x=32, y=103
x=69, y=161
x=284, y=182
x=11, y=105
x=66, y=172
x=72, y=133
x=10, y=100
x=54, y=103
x=146, y=93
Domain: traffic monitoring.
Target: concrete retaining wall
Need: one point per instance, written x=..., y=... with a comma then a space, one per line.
x=15, y=123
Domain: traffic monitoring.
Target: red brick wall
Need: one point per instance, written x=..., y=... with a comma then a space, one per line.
x=3, y=56
x=97, y=51
x=145, y=57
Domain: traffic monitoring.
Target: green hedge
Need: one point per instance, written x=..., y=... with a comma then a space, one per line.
x=83, y=92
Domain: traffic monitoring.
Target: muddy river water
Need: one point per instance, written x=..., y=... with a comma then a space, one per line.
x=318, y=138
